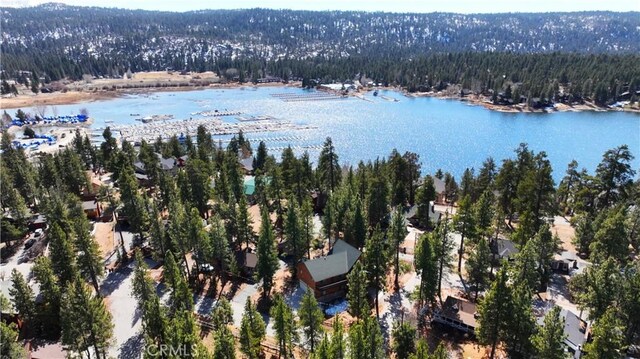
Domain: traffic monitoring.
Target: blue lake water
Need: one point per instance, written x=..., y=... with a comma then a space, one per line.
x=447, y=134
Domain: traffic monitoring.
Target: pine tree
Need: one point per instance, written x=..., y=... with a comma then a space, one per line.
x=614, y=174
x=378, y=201
x=9, y=345
x=225, y=345
x=324, y=349
x=284, y=325
x=523, y=269
x=222, y=313
x=494, y=313
x=477, y=266
x=521, y=323
x=357, y=294
x=51, y=293
x=398, y=232
x=608, y=337
x=245, y=227
x=22, y=297
x=338, y=345
x=293, y=234
x=86, y=322
x=376, y=264
x=252, y=331
x=62, y=254
x=181, y=297
x=427, y=269
x=546, y=246
x=306, y=216
x=464, y=223
x=597, y=288
x=549, y=339
x=267, y=255
x=221, y=254
x=404, y=336
x=442, y=247
x=610, y=239
x=89, y=257
x=483, y=213
x=311, y=319
x=328, y=167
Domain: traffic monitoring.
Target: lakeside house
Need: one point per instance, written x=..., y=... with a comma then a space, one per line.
x=92, y=209
x=247, y=165
x=327, y=276
x=576, y=331
x=247, y=262
x=457, y=313
x=503, y=249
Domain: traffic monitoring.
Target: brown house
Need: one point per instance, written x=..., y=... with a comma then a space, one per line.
x=457, y=313
x=327, y=276
x=92, y=209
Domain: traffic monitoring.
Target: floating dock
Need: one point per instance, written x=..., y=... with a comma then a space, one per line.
x=312, y=96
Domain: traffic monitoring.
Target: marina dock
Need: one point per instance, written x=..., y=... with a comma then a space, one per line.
x=311, y=96
x=151, y=131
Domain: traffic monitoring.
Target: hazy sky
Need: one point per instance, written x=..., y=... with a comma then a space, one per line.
x=459, y=6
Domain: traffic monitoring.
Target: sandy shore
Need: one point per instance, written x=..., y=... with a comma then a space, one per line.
x=521, y=108
x=104, y=89
x=160, y=81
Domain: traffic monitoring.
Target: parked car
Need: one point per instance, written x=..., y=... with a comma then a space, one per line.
x=29, y=243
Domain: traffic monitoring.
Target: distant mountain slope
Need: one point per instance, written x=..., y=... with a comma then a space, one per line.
x=592, y=54
x=270, y=34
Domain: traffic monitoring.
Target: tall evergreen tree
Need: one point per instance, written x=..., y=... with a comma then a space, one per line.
x=607, y=337
x=267, y=255
x=464, y=223
x=376, y=261
x=86, y=322
x=549, y=339
x=252, y=331
x=404, y=336
x=427, y=268
x=311, y=319
x=397, y=233
x=328, y=167
x=357, y=294
x=22, y=297
x=284, y=325
x=494, y=312
x=477, y=267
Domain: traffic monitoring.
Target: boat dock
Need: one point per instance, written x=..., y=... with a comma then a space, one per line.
x=390, y=99
x=151, y=131
x=216, y=113
x=311, y=96
x=255, y=118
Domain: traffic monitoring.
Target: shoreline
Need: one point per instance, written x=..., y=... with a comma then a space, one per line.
x=25, y=101
x=478, y=100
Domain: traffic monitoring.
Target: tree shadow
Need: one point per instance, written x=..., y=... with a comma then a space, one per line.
x=114, y=280
x=132, y=348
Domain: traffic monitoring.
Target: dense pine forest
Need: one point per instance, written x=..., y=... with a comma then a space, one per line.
x=564, y=57
x=191, y=221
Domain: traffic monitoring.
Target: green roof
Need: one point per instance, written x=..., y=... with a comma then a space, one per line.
x=249, y=186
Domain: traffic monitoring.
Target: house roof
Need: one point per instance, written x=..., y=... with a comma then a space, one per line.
x=247, y=163
x=249, y=185
x=438, y=184
x=504, y=248
x=574, y=327
x=342, y=258
x=89, y=205
x=250, y=260
x=461, y=310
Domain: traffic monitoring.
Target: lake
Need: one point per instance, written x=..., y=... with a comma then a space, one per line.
x=447, y=134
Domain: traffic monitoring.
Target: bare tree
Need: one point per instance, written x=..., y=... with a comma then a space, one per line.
x=40, y=110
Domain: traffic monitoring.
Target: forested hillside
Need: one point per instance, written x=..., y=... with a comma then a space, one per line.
x=419, y=51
